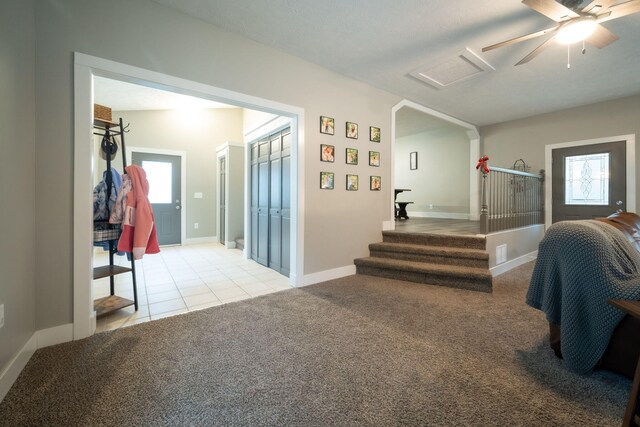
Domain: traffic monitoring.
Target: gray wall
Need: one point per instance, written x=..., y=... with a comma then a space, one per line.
x=17, y=176
x=526, y=138
x=144, y=34
x=198, y=133
x=442, y=177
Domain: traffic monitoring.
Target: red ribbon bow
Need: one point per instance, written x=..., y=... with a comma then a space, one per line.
x=482, y=163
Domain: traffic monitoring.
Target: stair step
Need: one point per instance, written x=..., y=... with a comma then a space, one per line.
x=472, y=278
x=428, y=239
x=431, y=254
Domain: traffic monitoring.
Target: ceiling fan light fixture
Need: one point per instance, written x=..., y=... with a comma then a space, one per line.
x=576, y=30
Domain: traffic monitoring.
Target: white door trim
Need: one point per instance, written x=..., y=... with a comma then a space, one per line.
x=85, y=67
x=630, y=162
x=183, y=180
x=474, y=154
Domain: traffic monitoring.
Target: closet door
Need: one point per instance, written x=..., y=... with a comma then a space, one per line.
x=275, y=203
x=286, y=203
x=271, y=201
x=263, y=203
x=254, y=201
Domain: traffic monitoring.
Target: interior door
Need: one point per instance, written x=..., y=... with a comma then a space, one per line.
x=275, y=204
x=271, y=201
x=260, y=202
x=588, y=181
x=222, y=215
x=164, y=176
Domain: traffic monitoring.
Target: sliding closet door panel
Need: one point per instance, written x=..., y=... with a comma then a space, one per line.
x=286, y=215
x=263, y=213
x=275, y=232
x=254, y=207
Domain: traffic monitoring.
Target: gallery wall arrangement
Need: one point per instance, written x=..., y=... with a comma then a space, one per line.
x=328, y=154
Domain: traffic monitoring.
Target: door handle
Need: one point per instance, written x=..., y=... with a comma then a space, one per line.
x=178, y=207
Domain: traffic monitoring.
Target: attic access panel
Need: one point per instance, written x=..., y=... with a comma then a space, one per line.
x=464, y=66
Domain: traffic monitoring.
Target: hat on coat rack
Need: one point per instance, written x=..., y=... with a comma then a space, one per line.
x=108, y=147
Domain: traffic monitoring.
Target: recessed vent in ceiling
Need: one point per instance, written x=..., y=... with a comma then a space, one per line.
x=464, y=66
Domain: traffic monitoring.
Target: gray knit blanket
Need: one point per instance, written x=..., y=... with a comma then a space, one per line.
x=580, y=265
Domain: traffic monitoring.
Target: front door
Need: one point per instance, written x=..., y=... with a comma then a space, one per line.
x=588, y=181
x=164, y=175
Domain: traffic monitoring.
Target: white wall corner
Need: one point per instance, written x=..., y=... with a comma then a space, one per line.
x=388, y=225
x=10, y=374
x=323, y=276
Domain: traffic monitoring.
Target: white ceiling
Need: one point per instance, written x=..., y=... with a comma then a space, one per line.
x=381, y=41
x=122, y=96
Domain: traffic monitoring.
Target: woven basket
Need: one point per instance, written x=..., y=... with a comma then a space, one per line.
x=101, y=112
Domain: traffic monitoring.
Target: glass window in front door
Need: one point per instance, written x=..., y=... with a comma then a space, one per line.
x=159, y=177
x=587, y=179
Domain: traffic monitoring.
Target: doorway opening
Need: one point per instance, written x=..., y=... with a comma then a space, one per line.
x=432, y=159
x=86, y=69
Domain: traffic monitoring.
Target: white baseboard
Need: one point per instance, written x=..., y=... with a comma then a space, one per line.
x=39, y=339
x=513, y=263
x=230, y=245
x=16, y=365
x=323, y=276
x=446, y=215
x=200, y=240
x=55, y=335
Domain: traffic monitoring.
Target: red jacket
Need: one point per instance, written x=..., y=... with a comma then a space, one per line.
x=138, y=227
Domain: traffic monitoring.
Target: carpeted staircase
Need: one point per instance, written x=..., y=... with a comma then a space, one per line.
x=435, y=259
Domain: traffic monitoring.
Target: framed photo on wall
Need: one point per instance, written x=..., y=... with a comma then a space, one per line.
x=374, y=158
x=327, y=153
x=375, y=183
x=352, y=156
x=327, y=125
x=352, y=182
x=326, y=180
x=352, y=130
x=374, y=134
x=413, y=160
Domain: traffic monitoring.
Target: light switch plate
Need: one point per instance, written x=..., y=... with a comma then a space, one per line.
x=197, y=195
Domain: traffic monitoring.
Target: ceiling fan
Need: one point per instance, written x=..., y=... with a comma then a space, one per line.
x=574, y=25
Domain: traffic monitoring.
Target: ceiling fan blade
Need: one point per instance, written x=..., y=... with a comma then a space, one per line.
x=601, y=37
x=597, y=6
x=620, y=10
x=520, y=39
x=536, y=51
x=551, y=9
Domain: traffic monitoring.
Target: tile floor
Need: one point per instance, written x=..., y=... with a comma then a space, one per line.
x=184, y=278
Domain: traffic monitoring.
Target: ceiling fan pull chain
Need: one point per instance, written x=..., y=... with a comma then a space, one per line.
x=568, y=56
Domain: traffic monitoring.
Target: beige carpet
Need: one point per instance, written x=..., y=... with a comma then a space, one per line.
x=355, y=351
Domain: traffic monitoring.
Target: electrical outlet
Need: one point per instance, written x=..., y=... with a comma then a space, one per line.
x=1, y=315
x=195, y=225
